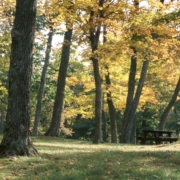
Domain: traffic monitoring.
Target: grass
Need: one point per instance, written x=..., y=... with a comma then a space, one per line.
x=62, y=159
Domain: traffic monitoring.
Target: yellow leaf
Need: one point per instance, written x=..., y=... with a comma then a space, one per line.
x=89, y=166
x=121, y=152
x=31, y=164
x=108, y=172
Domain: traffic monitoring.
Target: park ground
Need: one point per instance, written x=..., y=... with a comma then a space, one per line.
x=62, y=159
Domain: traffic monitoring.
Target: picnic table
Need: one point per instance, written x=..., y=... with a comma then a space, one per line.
x=157, y=135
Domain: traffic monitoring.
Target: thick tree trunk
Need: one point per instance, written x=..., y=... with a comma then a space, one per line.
x=112, y=110
x=16, y=139
x=169, y=106
x=130, y=117
x=42, y=84
x=58, y=103
x=98, y=103
x=2, y=121
x=130, y=95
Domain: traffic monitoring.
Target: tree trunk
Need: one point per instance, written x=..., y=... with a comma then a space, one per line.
x=129, y=101
x=16, y=139
x=133, y=133
x=104, y=123
x=42, y=84
x=130, y=117
x=2, y=121
x=104, y=127
x=59, y=98
x=98, y=103
x=169, y=106
x=112, y=110
x=94, y=40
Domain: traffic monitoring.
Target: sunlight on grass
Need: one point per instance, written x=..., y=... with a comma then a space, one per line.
x=62, y=159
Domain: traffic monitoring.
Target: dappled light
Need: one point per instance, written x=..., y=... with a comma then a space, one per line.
x=63, y=159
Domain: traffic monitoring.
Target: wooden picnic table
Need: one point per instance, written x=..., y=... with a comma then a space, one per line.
x=157, y=135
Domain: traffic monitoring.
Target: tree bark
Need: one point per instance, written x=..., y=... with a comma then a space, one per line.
x=2, y=121
x=133, y=133
x=16, y=139
x=130, y=117
x=112, y=110
x=104, y=127
x=59, y=98
x=42, y=84
x=130, y=95
x=98, y=103
x=169, y=106
x=94, y=40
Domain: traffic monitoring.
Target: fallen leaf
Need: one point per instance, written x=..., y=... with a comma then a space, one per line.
x=155, y=176
x=31, y=164
x=89, y=166
x=35, y=178
x=71, y=163
x=108, y=172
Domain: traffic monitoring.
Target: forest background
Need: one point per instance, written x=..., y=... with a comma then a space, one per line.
x=122, y=63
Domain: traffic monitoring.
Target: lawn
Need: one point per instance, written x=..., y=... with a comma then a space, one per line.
x=62, y=159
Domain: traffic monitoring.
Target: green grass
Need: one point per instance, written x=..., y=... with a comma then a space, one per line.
x=62, y=159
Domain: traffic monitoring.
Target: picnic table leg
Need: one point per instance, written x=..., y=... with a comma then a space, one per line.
x=143, y=141
x=158, y=142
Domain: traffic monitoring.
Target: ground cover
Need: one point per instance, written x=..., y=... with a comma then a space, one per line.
x=62, y=159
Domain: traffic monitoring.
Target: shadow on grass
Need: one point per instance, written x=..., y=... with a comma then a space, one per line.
x=69, y=160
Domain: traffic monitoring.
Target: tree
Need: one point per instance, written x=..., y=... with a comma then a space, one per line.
x=130, y=112
x=69, y=10
x=59, y=98
x=42, y=83
x=94, y=40
x=130, y=95
x=112, y=110
x=169, y=106
x=16, y=139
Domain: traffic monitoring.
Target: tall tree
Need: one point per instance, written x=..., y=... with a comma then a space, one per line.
x=112, y=110
x=16, y=139
x=130, y=112
x=94, y=31
x=169, y=106
x=59, y=98
x=130, y=95
x=42, y=83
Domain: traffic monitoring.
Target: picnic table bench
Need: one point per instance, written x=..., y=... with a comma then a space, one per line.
x=157, y=135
